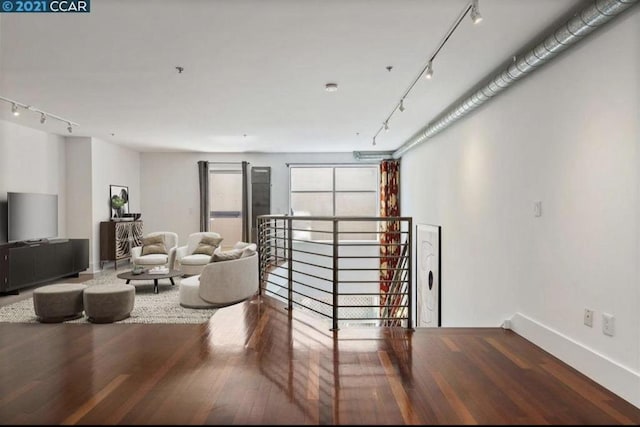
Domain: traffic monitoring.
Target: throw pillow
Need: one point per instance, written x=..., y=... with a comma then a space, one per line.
x=207, y=245
x=241, y=245
x=226, y=255
x=153, y=245
x=248, y=251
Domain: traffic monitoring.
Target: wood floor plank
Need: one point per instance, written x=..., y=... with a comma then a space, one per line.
x=531, y=411
x=507, y=353
x=402, y=400
x=586, y=390
x=457, y=405
x=148, y=384
x=93, y=401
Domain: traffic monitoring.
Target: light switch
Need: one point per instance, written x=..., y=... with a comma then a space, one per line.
x=537, y=209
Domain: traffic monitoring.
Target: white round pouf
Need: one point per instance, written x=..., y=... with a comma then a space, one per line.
x=190, y=293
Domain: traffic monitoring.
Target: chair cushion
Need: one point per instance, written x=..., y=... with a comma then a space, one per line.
x=196, y=259
x=207, y=245
x=226, y=255
x=190, y=294
x=153, y=259
x=153, y=245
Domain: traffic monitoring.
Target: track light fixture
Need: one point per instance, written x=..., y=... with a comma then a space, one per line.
x=16, y=106
x=475, y=12
x=427, y=70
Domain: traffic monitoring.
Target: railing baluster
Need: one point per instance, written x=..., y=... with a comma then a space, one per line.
x=410, y=276
x=290, y=262
x=261, y=255
x=335, y=275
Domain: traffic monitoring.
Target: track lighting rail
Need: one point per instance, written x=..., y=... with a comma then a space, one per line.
x=16, y=106
x=427, y=70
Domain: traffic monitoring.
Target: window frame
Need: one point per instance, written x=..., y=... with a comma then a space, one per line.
x=335, y=166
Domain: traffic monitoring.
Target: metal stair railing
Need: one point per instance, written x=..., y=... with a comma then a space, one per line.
x=333, y=268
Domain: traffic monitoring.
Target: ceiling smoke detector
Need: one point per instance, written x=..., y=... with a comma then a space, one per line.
x=331, y=87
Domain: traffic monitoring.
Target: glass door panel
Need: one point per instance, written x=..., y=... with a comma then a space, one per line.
x=225, y=200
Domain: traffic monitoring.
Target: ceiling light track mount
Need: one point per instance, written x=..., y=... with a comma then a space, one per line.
x=16, y=106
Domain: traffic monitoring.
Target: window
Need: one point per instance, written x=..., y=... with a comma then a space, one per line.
x=335, y=190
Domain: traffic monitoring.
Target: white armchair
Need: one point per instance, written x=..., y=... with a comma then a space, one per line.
x=152, y=260
x=189, y=263
x=221, y=283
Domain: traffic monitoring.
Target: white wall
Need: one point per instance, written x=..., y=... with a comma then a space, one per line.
x=32, y=161
x=170, y=188
x=79, y=170
x=79, y=181
x=111, y=165
x=568, y=136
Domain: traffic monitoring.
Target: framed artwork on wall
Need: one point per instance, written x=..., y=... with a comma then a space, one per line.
x=428, y=262
x=118, y=200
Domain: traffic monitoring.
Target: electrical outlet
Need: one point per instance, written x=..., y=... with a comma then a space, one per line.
x=608, y=324
x=588, y=317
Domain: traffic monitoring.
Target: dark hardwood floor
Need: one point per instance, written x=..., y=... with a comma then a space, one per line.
x=254, y=364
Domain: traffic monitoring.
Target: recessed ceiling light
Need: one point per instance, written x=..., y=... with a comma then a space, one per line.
x=331, y=87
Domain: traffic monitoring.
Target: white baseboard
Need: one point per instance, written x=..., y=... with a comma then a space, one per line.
x=93, y=269
x=610, y=374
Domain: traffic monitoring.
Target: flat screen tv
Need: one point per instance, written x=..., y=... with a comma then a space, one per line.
x=32, y=216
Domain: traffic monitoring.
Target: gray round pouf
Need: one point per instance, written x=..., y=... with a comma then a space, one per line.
x=108, y=303
x=60, y=302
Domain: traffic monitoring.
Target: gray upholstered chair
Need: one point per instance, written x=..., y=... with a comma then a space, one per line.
x=189, y=263
x=153, y=260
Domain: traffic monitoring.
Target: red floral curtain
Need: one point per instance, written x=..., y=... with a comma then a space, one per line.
x=389, y=236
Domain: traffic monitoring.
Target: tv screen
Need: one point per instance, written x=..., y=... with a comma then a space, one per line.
x=32, y=216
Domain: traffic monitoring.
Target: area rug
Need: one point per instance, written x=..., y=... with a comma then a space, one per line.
x=163, y=307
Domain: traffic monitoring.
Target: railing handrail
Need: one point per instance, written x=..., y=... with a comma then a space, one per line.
x=339, y=218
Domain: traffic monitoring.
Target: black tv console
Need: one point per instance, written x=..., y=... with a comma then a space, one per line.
x=25, y=264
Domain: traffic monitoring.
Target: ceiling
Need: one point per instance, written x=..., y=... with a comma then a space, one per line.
x=255, y=70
